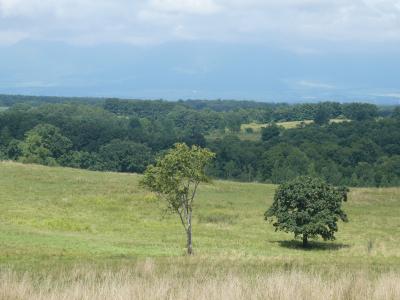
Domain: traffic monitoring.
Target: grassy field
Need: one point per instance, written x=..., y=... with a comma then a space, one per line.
x=255, y=135
x=256, y=128
x=287, y=125
x=58, y=219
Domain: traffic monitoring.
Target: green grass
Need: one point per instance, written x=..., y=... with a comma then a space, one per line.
x=59, y=217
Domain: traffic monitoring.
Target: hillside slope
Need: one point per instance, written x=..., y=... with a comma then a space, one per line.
x=60, y=215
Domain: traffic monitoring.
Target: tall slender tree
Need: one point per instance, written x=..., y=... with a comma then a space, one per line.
x=175, y=178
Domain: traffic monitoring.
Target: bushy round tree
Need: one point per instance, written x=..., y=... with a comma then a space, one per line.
x=308, y=207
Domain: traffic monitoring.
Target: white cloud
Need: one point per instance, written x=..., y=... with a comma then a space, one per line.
x=292, y=22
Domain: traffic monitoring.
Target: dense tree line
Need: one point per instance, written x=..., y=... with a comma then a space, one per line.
x=235, y=110
x=363, y=153
x=11, y=100
x=127, y=135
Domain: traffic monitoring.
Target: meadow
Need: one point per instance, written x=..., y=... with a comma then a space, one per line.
x=255, y=133
x=75, y=234
x=256, y=127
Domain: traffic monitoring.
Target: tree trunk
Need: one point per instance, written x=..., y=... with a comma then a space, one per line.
x=189, y=231
x=189, y=240
x=305, y=240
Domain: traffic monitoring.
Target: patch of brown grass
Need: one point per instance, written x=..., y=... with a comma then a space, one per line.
x=145, y=282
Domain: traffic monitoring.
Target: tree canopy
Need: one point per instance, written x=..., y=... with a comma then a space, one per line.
x=362, y=150
x=270, y=132
x=44, y=144
x=308, y=207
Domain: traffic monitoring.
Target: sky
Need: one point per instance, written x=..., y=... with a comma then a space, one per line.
x=283, y=50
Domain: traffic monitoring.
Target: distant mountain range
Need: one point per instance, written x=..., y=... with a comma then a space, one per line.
x=174, y=71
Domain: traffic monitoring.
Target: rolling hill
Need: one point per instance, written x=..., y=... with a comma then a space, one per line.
x=60, y=215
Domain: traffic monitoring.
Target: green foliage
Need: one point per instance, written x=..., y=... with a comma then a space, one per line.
x=284, y=162
x=13, y=149
x=360, y=111
x=322, y=115
x=125, y=156
x=396, y=113
x=336, y=152
x=308, y=207
x=176, y=177
x=82, y=160
x=233, y=121
x=44, y=144
x=270, y=132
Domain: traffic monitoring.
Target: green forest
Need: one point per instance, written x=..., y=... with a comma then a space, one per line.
x=363, y=149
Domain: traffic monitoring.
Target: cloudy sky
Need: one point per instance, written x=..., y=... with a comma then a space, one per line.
x=305, y=50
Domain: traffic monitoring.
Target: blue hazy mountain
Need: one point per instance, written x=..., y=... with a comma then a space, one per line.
x=201, y=70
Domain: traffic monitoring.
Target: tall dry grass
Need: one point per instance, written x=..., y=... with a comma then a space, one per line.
x=145, y=282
